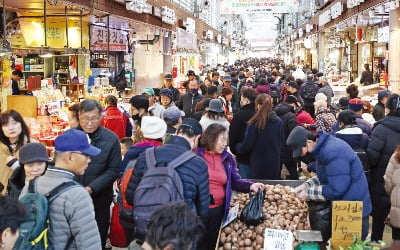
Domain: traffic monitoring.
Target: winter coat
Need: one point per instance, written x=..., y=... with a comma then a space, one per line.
x=115, y=121
x=340, y=172
x=193, y=173
x=286, y=113
x=368, y=118
x=354, y=136
x=263, y=89
x=383, y=140
x=103, y=169
x=16, y=182
x=234, y=181
x=361, y=123
x=264, y=146
x=304, y=118
x=324, y=119
x=187, y=103
x=302, y=92
x=392, y=187
x=379, y=111
x=366, y=78
x=134, y=152
x=157, y=110
x=237, y=130
x=328, y=91
x=205, y=121
x=71, y=214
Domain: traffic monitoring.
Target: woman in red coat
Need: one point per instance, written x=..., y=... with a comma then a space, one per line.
x=303, y=118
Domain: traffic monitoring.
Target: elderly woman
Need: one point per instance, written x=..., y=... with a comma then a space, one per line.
x=223, y=176
x=12, y=214
x=324, y=119
x=215, y=113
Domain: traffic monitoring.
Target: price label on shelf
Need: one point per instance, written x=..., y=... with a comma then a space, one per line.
x=278, y=239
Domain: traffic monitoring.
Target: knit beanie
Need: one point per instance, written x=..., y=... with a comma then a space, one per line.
x=33, y=152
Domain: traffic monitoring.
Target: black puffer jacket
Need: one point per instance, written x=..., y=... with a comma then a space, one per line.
x=384, y=138
x=286, y=113
x=187, y=103
x=193, y=173
x=103, y=169
x=237, y=130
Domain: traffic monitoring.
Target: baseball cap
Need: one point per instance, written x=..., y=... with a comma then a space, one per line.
x=148, y=91
x=75, y=140
x=191, y=73
x=33, y=152
x=168, y=76
x=297, y=139
x=166, y=92
x=356, y=104
x=293, y=85
x=193, y=124
x=382, y=94
x=227, y=78
x=173, y=113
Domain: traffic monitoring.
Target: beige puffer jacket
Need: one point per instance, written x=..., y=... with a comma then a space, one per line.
x=392, y=186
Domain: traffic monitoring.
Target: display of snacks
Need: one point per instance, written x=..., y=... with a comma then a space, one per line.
x=281, y=210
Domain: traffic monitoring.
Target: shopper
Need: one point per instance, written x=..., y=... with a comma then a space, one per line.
x=188, y=101
x=292, y=88
x=173, y=118
x=73, y=116
x=235, y=98
x=126, y=143
x=155, y=109
x=115, y=120
x=169, y=84
x=392, y=187
x=238, y=126
x=326, y=89
x=366, y=76
x=103, y=169
x=303, y=118
x=339, y=175
x=324, y=119
x=139, y=109
x=308, y=91
x=215, y=113
x=379, y=109
x=226, y=99
x=33, y=161
x=12, y=215
x=224, y=178
x=352, y=91
x=263, y=86
x=366, y=112
x=71, y=214
x=350, y=132
x=172, y=226
x=193, y=173
x=262, y=140
x=14, y=134
x=285, y=111
x=166, y=98
x=384, y=137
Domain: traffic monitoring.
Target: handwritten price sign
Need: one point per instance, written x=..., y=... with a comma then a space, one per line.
x=278, y=239
x=346, y=222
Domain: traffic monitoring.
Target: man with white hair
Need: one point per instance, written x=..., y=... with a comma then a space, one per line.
x=326, y=89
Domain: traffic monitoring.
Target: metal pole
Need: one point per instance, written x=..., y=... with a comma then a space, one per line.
x=108, y=39
x=45, y=23
x=81, y=26
x=4, y=22
x=66, y=25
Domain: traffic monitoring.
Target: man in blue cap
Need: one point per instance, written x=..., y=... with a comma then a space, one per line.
x=71, y=213
x=379, y=109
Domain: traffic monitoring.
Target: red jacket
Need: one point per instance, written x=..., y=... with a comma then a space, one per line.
x=115, y=121
x=304, y=118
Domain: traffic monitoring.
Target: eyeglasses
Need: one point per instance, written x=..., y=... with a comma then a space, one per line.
x=87, y=120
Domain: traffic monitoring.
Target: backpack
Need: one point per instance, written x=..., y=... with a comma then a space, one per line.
x=310, y=91
x=275, y=94
x=159, y=185
x=33, y=232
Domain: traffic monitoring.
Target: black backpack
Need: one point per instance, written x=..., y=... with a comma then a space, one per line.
x=275, y=94
x=159, y=185
x=310, y=91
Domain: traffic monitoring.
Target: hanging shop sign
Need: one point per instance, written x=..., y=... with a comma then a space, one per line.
x=99, y=39
x=185, y=41
x=219, y=38
x=135, y=5
x=156, y=11
x=190, y=25
x=209, y=34
x=301, y=32
x=383, y=34
x=335, y=11
x=148, y=9
x=371, y=33
x=309, y=27
x=168, y=15
x=353, y=3
x=258, y=6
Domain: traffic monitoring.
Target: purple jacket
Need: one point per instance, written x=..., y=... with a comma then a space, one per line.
x=234, y=181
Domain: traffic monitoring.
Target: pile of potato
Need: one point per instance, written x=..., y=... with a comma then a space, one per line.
x=282, y=210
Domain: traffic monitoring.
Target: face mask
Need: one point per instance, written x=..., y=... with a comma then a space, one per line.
x=194, y=91
x=307, y=158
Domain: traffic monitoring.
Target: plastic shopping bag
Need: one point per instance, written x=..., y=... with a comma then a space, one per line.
x=252, y=214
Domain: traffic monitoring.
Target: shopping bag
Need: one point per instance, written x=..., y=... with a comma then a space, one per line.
x=117, y=233
x=252, y=213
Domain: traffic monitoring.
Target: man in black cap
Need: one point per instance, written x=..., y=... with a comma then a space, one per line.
x=379, y=109
x=16, y=75
x=191, y=76
x=193, y=173
x=169, y=84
